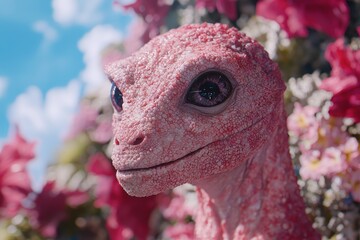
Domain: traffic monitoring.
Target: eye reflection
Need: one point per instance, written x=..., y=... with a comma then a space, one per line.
x=209, y=89
x=116, y=97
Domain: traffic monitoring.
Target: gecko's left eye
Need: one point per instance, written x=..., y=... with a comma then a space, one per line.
x=116, y=97
x=209, y=89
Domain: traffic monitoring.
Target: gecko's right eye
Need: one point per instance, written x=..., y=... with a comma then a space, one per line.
x=116, y=97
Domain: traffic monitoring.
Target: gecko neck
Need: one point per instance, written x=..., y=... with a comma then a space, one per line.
x=258, y=200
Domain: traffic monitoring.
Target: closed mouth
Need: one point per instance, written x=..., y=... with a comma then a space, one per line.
x=133, y=170
x=162, y=164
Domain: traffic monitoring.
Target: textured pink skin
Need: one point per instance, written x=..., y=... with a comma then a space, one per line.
x=246, y=185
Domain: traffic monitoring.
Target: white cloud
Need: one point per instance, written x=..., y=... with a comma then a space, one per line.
x=48, y=32
x=45, y=121
x=92, y=44
x=83, y=12
x=3, y=85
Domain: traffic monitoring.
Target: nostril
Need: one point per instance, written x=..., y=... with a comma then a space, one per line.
x=138, y=140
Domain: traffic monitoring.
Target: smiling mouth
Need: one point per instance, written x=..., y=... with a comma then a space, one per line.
x=163, y=164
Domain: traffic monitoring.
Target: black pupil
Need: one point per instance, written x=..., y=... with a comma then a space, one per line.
x=118, y=97
x=209, y=90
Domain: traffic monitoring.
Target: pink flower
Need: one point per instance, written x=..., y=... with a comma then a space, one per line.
x=88, y=120
x=351, y=150
x=333, y=161
x=226, y=7
x=302, y=120
x=129, y=216
x=344, y=81
x=103, y=131
x=311, y=165
x=153, y=13
x=295, y=16
x=326, y=133
x=345, y=73
x=181, y=231
x=336, y=84
x=50, y=207
x=177, y=209
x=84, y=120
x=133, y=40
x=346, y=104
x=99, y=165
x=315, y=163
x=14, y=179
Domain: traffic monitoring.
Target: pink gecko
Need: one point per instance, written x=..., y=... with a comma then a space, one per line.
x=203, y=104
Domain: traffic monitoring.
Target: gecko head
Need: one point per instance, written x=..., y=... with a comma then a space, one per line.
x=192, y=103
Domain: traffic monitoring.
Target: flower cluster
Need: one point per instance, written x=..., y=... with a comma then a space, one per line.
x=226, y=7
x=326, y=149
x=326, y=154
x=14, y=179
x=295, y=16
x=152, y=13
x=42, y=215
x=179, y=211
x=344, y=81
x=31, y=211
x=128, y=216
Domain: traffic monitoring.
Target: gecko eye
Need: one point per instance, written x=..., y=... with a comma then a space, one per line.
x=116, y=97
x=209, y=89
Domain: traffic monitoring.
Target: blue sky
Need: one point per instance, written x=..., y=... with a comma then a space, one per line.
x=30, y=57
x=50, y=58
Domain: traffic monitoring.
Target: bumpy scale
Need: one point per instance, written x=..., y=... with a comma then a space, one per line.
x=203, y=104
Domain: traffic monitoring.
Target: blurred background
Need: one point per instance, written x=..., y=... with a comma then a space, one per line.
x=56, y=178
x=50, y=57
